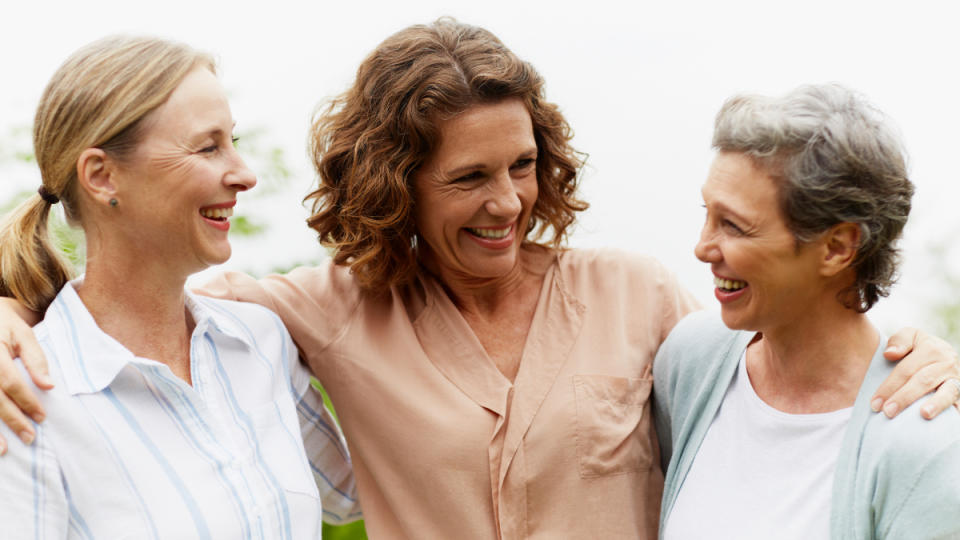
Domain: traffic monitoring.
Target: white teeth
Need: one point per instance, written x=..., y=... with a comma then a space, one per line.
x=216, y=213
x=491, y=233
x=729, y=284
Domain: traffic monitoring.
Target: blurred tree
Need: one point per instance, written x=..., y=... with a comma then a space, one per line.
x=945, y=310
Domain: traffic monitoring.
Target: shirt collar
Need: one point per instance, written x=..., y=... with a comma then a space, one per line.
x=90, y=359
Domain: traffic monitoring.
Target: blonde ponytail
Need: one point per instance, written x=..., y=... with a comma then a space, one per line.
x=32, y=270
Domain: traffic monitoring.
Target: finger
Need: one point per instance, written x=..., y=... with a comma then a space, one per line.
x=902, y=372
x=921, y=383
x=942, y=399
x=14, y=388
x=900, y=344
x=16, y=421
x=33, y=358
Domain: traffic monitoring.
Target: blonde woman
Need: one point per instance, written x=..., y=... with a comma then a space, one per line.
x=172, y=416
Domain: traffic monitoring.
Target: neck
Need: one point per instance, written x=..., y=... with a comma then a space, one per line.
x=127, y=295
x=815, y=363
x=488, y=296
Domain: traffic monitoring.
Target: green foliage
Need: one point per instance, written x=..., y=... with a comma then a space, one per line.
x=243, y=226
x=69, y=240
x=946, y=310
x=350, y=531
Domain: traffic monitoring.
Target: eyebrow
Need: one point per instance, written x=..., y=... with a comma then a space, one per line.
x=211, y=132
x=729, y=210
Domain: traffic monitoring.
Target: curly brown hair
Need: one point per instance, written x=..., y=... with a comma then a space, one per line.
x=367, y=142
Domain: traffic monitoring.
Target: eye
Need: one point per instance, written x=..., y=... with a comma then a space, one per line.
x=475, y=175
x=235, y=140
x=727, y=224
x=524, y=163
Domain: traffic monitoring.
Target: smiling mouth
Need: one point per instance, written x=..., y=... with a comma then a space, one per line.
x=728, y=285
x=491, y=234
x=217, y=214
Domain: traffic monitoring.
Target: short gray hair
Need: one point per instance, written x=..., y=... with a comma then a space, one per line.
x=836, y=159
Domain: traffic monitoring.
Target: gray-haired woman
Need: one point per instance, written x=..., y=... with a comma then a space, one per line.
x=764, y=415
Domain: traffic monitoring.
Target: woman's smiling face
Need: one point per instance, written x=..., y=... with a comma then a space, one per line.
x=475, y=192
x=763, y=277
x=184, y=176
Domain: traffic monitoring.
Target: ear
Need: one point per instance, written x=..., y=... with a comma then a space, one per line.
x=841, y=243
x=97, y=175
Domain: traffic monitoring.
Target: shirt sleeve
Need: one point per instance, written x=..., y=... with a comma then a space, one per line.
x=326, y=450
x=678, y=302
x=314, y=303
x=33, y=501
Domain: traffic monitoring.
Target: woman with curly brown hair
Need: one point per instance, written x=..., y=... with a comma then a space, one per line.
x=490, y=383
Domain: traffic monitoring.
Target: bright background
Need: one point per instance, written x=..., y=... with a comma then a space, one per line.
x=639, y=82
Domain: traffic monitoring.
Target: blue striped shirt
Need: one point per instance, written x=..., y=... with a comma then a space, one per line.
x=129, y=450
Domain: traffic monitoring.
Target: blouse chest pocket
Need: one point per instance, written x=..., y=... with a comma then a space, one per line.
x=612, y=425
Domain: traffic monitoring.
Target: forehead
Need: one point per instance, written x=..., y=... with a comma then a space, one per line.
x=500, y=125
x=737, y=183
x=735, y=173
x=198, y=103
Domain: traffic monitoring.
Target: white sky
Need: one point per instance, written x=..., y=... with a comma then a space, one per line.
x=640, y=86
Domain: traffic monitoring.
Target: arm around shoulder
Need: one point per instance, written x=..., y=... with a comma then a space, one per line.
x=314, y=303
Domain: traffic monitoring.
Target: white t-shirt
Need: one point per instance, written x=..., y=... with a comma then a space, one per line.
x=760, y=472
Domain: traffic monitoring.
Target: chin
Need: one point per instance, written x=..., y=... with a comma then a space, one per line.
x=216, y=257
x=733, y=321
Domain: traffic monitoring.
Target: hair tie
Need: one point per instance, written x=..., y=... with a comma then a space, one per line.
x=50, y=198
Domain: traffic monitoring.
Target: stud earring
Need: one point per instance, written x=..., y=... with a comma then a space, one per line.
x=113, y=202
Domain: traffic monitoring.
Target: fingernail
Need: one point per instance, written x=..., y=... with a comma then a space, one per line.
x=45, y=379
x=876, y=404
x=38, y=417
x=927, y=411
x=26, y=437
x=890, y=409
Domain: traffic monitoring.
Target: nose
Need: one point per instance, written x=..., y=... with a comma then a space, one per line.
x=240, y=177
x=707, y=249
x=504, y=200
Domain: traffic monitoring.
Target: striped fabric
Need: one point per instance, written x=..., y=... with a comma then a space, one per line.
x=131, y=451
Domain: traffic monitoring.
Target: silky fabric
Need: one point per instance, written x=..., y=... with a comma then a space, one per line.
x=444, y=446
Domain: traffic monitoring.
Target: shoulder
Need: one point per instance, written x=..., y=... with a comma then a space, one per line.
x=609, y=261
x=260, y=327
x=908, y=444
x=698, y=339
x=911, y=467
x=323, y=283
x=621, y=274
x=248, y=313
x=314, y=302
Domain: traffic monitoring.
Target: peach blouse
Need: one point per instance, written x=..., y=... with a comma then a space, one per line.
x=444, y=446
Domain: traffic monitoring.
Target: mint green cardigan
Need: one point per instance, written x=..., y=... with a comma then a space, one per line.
x=895, y=478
